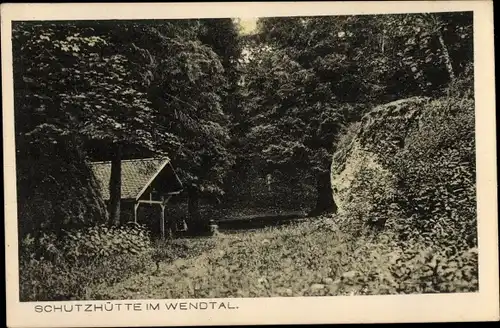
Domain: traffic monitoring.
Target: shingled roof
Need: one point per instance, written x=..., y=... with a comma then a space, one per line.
x=137, y=174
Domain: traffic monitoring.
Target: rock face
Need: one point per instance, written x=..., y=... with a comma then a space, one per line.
x=348, y=175
x=410, y=165
x=362, y=151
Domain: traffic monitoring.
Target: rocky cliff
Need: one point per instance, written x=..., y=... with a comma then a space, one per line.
x=410, y=165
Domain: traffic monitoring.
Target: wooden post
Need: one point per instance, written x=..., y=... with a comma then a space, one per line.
x=162, y=222
x=170, y=223
x=136, y=206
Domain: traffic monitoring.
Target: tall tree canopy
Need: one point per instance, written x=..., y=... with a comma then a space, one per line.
x=74, y=82
x=307, y=77
x=126, y=88
x=197, y=106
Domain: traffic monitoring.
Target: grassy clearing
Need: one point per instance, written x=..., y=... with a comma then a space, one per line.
x=305, y=259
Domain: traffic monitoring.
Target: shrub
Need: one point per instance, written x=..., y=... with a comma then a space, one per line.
x=71, y=267
x=409, y=166
x=46, y=201
x=371, y=197
x=416, y=266
x=436, y=172
x=106, y=241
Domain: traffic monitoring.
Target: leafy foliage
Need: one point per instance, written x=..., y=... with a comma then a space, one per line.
x=75, y=205
x=440, y=159
x=194, y=112
x=71, y=266
x=106, y=101
x=275, y=106
x=106, y=241
x=415, y=169
x=288, y=126
x=327, y=262
x=410, y=267
x=305, y=78
x=376, y=58
x=162, y=89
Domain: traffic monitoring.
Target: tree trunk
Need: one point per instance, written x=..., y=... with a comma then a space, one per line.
x=115, y=186
x=196, y=224
x=447, y=58
x=324, y=201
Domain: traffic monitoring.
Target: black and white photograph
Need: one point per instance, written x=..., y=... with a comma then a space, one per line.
x=215, y=158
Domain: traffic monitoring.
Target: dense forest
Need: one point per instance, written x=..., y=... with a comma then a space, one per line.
x=286, y=117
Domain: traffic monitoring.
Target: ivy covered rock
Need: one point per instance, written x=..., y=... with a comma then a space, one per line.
x=410, y=166
x=360, y=175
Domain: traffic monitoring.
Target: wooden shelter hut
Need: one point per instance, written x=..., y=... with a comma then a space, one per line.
x=147, y=185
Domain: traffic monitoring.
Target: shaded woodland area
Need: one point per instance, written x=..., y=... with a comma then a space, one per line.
x=250, y=120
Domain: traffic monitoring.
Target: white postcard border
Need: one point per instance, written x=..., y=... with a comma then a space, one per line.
x=480, y=306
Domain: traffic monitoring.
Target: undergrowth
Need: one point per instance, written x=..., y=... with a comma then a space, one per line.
x=72, y=265
x=319, y=257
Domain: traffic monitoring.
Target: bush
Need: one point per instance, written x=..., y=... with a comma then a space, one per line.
x=71, y=267
x=387, y=266
x=371, y=197
x=106, y=241
x=436, y=172
x=46, y=201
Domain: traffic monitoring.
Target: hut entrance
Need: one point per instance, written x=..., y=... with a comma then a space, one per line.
x=147, y=186
x=147, y=215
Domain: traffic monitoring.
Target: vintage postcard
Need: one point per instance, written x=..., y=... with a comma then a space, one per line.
x=257, y=163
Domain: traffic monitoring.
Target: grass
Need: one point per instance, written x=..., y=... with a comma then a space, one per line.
x=251, y=264
x=311, y=258
x=323, y=256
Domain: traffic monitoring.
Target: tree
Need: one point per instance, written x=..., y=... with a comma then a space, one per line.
x=106, y=100
x=292, y=107
x=192, y=109
x=422, y=50
x=308, y=76
x=140, y=87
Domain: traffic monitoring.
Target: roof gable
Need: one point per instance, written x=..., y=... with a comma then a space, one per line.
x=137, y=174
